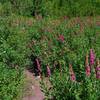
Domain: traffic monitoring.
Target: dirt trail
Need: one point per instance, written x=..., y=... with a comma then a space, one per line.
x=32, y=88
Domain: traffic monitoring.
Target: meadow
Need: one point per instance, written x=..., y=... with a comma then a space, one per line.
x=60, y=43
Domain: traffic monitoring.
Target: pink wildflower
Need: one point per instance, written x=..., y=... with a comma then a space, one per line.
x=92, y=57
x=73, y=78
x=98, y=70
x=72, y=74
x=88, y=71
x=61, y=38
x=48, y=71
x=98, y=74
x=38, y=65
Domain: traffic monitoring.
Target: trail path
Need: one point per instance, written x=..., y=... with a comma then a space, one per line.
x=32, y=89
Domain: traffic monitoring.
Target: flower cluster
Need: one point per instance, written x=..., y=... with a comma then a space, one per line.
x=92, y=57
x=92, y=62
x=87, y=67
x=98, y=69
x=40, y=70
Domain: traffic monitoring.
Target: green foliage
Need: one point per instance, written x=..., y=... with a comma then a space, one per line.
x=13, y=58
x=52, y=7
x=58, y=54
x=11, y=81
x=5, y=9
x=21, y=37
x=50, y=49
x=23, y=7
x=62, y=88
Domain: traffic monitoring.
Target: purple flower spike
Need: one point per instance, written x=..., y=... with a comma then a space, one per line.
x=92, y=57
x=72, y=77
x=38, y=65
x=98, y=68
x=88, y=71
x=61, y=38
x=98, y=75
x=72, y=74
x=48, y=71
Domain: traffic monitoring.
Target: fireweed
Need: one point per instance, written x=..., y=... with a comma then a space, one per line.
x=38, y=66
x=72, y=74
x=88, y=70
x=61, y=38
x=87, y=89
x=98, y=70
x=92, y=57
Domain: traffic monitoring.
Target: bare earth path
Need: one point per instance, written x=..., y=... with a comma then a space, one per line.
x=32, y=89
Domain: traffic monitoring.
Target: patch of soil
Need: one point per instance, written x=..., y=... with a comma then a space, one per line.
x=32, y=90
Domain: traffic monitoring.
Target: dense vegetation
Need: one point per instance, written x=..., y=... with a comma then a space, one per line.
x=51, y=7
x=13, y=57
x=56, y=42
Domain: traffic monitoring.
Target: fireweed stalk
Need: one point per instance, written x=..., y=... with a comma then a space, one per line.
x=38, y=66
x=92, y=57
x=61, y=38
x=88, y=70
x=72, y=74
x=98, y=70
x=48, y=71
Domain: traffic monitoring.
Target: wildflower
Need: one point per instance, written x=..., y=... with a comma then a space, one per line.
x=98, y=75
x=73, y=78
x=61, y=38
x=72, y=74
x=48, y=71
x=98, y=65
x=88, y=70
x=38, y=65
x=98, y=70
x=92, y=57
